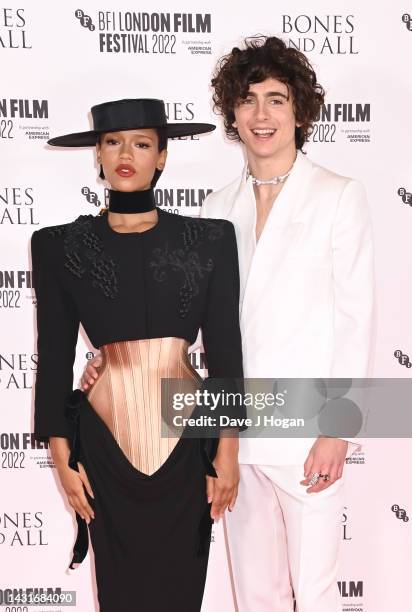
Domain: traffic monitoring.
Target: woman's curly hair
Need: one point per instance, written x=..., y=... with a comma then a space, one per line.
x=261, y=58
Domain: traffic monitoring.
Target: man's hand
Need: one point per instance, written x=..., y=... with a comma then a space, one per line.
x=327, y=456
x=222, y=491
x=90, y=373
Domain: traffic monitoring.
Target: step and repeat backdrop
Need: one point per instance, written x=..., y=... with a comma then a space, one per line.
x=57, y=60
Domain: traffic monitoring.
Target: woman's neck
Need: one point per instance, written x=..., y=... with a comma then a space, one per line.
x=132, y=210
x=131, y=202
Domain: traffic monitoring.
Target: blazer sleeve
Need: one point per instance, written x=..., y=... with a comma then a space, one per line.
x=353, y=283
x=221, y=328
x=354, y=289
x=57, y=332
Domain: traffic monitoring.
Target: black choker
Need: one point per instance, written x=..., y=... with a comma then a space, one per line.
x=131, y=201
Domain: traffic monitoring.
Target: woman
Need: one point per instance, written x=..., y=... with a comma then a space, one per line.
x=141, y=282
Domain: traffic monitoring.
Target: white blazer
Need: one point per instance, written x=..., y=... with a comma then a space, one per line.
x=306, y=287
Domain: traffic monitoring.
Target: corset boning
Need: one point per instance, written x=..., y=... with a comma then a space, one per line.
x=127, y=395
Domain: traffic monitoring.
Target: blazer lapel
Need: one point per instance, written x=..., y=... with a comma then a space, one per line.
x=275, y=239
x=242, y=214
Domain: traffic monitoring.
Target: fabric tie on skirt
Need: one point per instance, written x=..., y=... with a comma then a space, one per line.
x=73, y=406
x=76, y=402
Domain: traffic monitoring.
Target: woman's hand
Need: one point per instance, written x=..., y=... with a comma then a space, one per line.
x=90, y=373
x=222, y=491
x=74, y=484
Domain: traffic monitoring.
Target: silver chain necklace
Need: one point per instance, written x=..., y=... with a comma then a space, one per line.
x=273, y=181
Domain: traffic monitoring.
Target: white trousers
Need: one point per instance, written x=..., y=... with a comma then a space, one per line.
x=281, y=537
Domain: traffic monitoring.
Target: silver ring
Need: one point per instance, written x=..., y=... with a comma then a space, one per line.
x=325, y=477
x=314, y=479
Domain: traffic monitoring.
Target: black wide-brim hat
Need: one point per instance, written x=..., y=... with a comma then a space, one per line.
x=131, y=114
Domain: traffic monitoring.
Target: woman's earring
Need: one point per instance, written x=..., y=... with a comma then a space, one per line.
x=101, y=173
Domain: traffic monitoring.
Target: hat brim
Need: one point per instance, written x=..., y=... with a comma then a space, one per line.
x=89, y=139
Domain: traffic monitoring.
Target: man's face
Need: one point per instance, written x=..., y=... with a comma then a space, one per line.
x=265, y=119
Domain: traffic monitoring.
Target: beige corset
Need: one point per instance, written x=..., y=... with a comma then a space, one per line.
x=127, y=395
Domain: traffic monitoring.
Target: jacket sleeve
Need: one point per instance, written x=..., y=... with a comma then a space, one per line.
x=354, y=288
x=57, y=331
x=221, y=329
x=353, y=282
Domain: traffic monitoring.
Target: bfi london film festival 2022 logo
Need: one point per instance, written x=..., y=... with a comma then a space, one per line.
x=16, y=289
x=149, y=33
x=175, y=200
x=407, y=20
x=330, y=35
x=18, y=449
x=14, y=34
x=17, y=372
x=351, y=591
x=24, y=118
x=402, y=358
x=400, y=513
x=405, y=196
x=346, y=121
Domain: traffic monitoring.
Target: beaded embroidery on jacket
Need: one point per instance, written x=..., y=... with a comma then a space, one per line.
x=101, y=267
x=186, y=260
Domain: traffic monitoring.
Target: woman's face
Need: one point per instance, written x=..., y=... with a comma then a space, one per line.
x=130, y=158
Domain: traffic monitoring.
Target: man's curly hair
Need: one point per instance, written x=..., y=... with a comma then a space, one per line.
x=263, y=57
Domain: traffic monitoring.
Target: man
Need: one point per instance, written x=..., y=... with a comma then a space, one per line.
x=306, y=267
x=306, y=271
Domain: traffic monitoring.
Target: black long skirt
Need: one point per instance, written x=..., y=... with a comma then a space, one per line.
x=151, y=533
